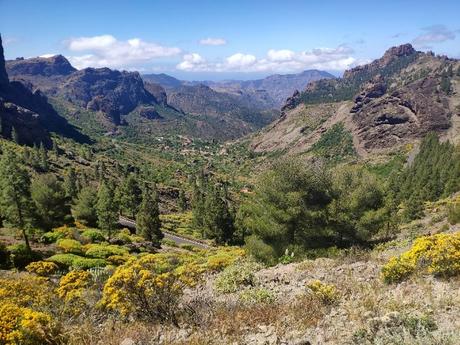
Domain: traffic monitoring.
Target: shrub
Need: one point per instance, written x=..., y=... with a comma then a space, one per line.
x=236, y=276
x=21, y=256
x=118, y=260
x=168, y=242
x=72, y=285
x=124, y=236
x=25, y=290
x=327, y=293
x=103, y=251
x=437, y=254
x=66, y=232
x=63, y=260
x=223, y=257
x=87, y=263
x=42, y=268
x=68, y=245
x=149, y=288
x=256, y=296
x=93, y=235
x=76, y=261
x=51, y=237
x=19, y=325
x=260, y=251
x=453, y=213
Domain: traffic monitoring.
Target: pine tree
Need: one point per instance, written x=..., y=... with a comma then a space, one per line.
x=55, y=148
x=16, y=207
x=130, y=195
x=148, y=223
x=182, y=202
x=84, y=209
x=106, y=208
x=200, y=187
x=219, y=224
x=70, y=183
x=49, y=197
x=43, y=157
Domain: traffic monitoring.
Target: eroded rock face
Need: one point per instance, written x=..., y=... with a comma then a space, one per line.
x=158, y=92
x=410, y=112
x=28, y=112
x=112, y=92
x=291, y=102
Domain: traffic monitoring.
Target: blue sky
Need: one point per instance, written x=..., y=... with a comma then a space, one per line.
x=225, y=39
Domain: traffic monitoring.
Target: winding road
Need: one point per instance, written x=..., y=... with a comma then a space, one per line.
x=178, y=239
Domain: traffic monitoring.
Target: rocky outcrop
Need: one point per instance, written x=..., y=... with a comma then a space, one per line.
x=158, y=92
x=149, y=113
x=112, y=92
x=27, y=112
x=392, y=55
x=410, y=112
x=52, y=66
x=291, y=102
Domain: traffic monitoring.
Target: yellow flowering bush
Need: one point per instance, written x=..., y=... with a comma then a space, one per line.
x=327, y=293
x=26, y=290
x=149, y=287
x=73, y=284
x=223, y=257
x=42, y=268
x=68, y=245
x=19, y=325
x=437, y=254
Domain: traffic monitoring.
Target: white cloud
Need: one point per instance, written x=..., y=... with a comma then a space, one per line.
x=335, y=59
x=47, y=55
x=107, y=51
x=213, y=41
x=433, y=34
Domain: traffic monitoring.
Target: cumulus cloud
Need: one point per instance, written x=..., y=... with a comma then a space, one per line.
x=283, y=60
x=107, y=51
x=434, y=34
x=213, y=41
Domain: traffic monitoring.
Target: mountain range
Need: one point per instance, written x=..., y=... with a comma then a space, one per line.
x=394, y=100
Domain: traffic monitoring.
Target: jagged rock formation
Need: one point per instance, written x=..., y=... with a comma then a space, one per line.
x=157, y=91
x=393, y=100
x=112, y=92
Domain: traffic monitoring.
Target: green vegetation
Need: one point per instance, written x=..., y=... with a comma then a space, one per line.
x=335, y=145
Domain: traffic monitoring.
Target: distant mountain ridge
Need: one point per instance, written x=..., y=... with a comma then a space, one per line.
x=271, y=91
x=120, y=99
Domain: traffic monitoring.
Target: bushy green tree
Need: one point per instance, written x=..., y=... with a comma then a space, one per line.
x=84, y=209
x=182, y=201
x=218, y=220
x=50, y=201
x=289, y=206
x=16, y=207
x=107, y=208
x=359, y=209
x=70, y=183
x=130, y=195
x=148, y=223
x=200, y=190
x=43, y=158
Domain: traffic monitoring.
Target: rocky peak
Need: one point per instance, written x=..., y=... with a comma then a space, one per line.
x=397, y=52
x=112, y=92
x=56, y=65
x=3, y=75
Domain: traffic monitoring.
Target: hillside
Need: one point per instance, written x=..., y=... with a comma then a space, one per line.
x=105, y=101
x=394, y=100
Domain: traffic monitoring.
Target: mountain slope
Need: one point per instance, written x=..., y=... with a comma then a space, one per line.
x=26, y=115
x=392, y=101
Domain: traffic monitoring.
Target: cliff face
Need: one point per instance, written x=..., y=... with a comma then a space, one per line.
x=28, y=113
